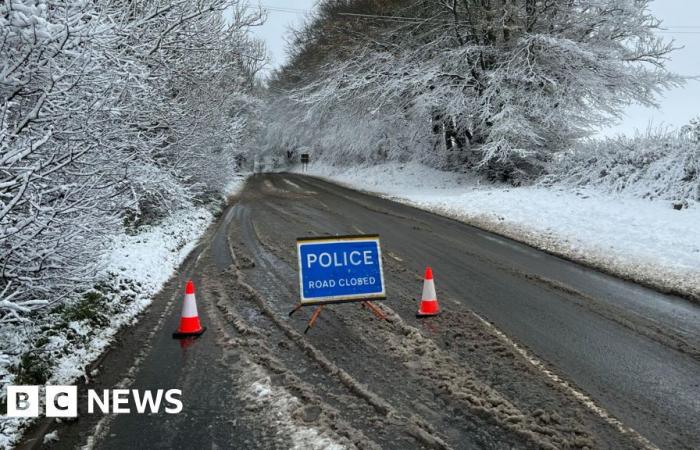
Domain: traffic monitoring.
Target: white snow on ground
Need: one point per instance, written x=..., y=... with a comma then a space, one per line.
x=148, y=258
x=281, y=406
x=50, y=437
x=647, y=241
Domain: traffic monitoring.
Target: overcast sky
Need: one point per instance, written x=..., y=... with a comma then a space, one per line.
x=676, y=108
x=281, y=15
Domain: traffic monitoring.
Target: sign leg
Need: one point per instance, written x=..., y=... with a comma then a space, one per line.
x=376, y=311
x=296, y=308
x=314, y=316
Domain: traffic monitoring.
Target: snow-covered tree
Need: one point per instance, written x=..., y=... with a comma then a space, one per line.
x=106, y=106
x=493, y=82
x=692, y=130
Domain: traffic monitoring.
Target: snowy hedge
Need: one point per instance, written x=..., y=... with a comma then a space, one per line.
x=655, y=165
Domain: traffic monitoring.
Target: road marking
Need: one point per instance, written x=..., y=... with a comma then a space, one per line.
x=501, y=240
x=269, y=185
x=394, y=256
x=580, y=396
x=358, y=229
x=292, y=184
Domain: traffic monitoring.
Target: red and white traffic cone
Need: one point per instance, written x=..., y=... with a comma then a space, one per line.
x=189, y=319
x=428, y=305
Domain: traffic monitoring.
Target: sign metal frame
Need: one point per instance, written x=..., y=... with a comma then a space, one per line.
x=320, y=302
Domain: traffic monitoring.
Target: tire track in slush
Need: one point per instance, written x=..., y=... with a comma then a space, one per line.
x=453, y=381
x=574, y=395
x=467, y=392
x=286, y=404
x=412, y=424
x=656, y=334
x=271, y=348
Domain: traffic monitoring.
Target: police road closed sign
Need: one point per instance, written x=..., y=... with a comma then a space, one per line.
x=338, y=269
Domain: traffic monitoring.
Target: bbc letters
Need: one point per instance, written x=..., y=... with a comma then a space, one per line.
x=62, y=401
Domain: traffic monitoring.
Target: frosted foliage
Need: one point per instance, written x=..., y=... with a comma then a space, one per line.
x=468, y=84
x=109, y=107
x=655, y=165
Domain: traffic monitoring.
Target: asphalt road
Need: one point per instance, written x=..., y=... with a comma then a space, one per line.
x=531, y=351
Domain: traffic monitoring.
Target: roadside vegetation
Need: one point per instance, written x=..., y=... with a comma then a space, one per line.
x=656, y=165
x=112, y=115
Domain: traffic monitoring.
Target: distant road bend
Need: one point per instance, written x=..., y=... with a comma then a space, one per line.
x=531, y=351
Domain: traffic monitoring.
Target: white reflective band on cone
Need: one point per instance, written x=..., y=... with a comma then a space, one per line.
x=189, y=307
x=429, y=290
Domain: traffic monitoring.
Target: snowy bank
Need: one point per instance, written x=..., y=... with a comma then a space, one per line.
x=642, y=240
x=135, y=268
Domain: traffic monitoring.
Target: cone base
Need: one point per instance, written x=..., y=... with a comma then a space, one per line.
x=183, y=335
x=428, y=308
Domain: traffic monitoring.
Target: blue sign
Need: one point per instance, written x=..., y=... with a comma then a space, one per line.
x=340, y=269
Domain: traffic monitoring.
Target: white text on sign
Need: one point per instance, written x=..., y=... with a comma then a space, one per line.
x=354, y=258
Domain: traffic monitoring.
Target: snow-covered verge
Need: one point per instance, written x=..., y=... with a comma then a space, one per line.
x=643, y=240
x=58, y=346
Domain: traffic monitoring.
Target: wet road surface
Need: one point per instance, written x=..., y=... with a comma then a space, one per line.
x=531, y=351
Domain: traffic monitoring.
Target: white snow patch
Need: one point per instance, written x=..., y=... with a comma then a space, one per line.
x=235, y=185
x=260, y=390
x=279, y=405
x=50, y=437
x=645, y=240
x=151, y=256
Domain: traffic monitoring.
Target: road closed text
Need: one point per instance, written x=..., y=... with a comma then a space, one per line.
x=342, y=282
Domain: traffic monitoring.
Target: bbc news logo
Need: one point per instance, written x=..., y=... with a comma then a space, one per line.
x=62, y=401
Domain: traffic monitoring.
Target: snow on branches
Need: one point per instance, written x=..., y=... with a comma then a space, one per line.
x=483, y=83
x=105, y=106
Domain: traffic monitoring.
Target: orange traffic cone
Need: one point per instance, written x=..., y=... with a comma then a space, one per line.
x=428, y=304
x=189, y=319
